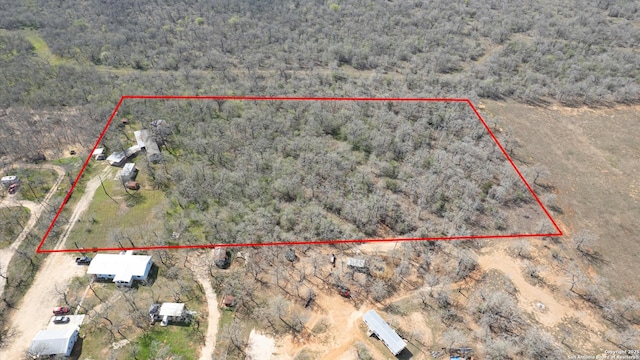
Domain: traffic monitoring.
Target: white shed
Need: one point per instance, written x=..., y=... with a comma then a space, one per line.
x=117, y=159
x=54, y=342
x=128, y=172
x=173, y=312
x=98, y=154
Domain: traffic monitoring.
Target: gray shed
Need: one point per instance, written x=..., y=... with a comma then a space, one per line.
x=384, y=332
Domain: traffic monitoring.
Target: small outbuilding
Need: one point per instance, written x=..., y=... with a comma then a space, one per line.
x=132, y=185
x=384, y=332
x=98, y=154
x=128, y=172
x=9, y=180
x=123, y=269
x=54, y=342
x=117, y=159
x=358, y=265
x=229, y=301
x=174, y=312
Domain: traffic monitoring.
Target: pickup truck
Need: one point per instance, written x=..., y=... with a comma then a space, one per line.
x=83, y=260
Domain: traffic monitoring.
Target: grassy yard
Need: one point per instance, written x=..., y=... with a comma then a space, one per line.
x=114, y=210
x=34, y=183
x=174, y=339
x=12, y=221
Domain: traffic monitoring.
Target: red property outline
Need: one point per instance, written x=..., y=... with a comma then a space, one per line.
x=263, y=98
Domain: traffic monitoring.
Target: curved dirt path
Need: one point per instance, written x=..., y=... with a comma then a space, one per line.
x=58, y=269
x=202, y=276
x=529, y=295
x=36, y=210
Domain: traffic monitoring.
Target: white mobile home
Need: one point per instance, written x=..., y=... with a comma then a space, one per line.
x=54, y=342
x=384, y=332
x=123, y=269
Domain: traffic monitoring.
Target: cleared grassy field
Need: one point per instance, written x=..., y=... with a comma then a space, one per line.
x=593, y=157
x=12, y=220
x=113, y=210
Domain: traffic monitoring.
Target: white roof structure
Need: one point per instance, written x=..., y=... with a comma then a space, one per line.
x=97, y=152
x=9, y=178
x=171, y=309
x=53, y=342
x=128, y=170
x=355, y=262
x=132, y=151
x=140, y=136
x=384, y=332
x=116, y=158
x=123, y=267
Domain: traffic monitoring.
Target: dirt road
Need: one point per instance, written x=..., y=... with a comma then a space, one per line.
x=199, y=268
x=81, y=206
x=36, y=211
x=34, y=311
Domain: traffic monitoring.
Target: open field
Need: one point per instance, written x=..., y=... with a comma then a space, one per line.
x=593, y=157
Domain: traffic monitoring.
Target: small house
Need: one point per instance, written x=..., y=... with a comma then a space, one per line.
x=117, y=159
x=174, y=312
x=128, y=172
x=98, y=154
x=123, y=269
x=384, y=332
x=9, y=180
x=54, y=342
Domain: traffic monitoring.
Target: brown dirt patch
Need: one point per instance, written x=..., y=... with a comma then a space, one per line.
x=594, y=160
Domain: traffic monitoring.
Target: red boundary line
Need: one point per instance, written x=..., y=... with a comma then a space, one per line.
x=322, y=242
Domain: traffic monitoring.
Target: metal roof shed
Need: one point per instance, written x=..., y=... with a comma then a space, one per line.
x=117, y=159
x=384, y=332
x=54, y=342
x=359, y=263
x=171, y=309
x=128, y=172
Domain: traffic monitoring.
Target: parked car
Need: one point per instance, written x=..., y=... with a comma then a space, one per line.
x=13, y=188
x=61, y=319
x=83, y=260
x=61, y=310
x=344, y=292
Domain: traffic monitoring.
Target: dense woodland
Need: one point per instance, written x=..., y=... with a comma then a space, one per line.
x=65, y=64
x=272, y=171
x=84, y=56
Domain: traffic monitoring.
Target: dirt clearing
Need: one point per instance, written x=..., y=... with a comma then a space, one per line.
x=34, y=311
x=261, y=347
